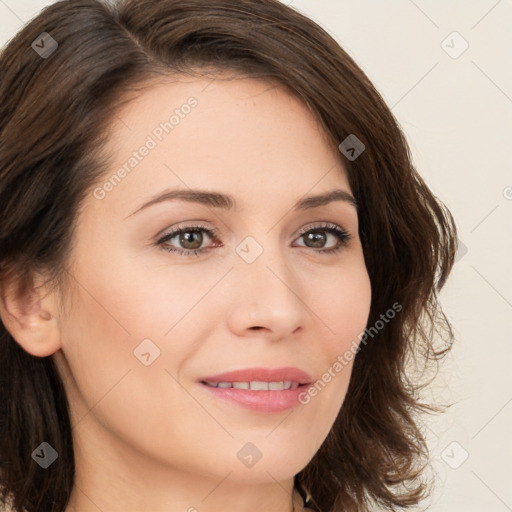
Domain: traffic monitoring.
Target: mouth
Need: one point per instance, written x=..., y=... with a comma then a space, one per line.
x=262, y=390
x=259, y=379
x=256, y=385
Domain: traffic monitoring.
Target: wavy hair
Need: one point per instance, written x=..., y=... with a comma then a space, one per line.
x=54, y=118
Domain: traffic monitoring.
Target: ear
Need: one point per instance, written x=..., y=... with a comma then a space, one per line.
x=29, y=313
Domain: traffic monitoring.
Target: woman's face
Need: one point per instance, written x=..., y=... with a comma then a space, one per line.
x=150, y=319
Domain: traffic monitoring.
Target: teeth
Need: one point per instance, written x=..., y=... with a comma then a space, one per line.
x=256, y=385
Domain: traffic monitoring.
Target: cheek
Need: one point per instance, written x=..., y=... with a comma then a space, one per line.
x=129, y=302
x=112, y=385
x=158, y=300
x=343, y=307
x=116, y=326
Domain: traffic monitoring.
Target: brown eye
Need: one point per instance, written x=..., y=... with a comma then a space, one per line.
x=188, y=238
x=317, y=237
x=191, y=239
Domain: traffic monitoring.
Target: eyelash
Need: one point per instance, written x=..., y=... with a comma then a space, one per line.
x=341, y=234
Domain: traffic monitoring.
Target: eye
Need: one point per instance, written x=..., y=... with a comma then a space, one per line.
x=191, y=239
x=318, y=235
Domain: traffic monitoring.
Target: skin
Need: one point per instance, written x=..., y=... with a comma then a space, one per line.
x=150, y=437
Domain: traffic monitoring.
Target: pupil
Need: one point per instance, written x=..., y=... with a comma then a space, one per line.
x=317, y=238
x=187, y=239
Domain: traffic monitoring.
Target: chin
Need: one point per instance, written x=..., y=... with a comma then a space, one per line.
x=271, y=467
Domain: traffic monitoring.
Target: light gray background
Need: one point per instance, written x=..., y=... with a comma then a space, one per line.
x=456, y=111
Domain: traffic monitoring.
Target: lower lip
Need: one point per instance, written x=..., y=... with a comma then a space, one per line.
x=261, y=401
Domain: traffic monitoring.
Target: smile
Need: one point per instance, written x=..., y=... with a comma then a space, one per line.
x=256, y=385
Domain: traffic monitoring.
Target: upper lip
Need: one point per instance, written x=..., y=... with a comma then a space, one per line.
x=288, y=373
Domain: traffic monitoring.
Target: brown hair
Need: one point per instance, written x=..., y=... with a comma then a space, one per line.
x=54, y=112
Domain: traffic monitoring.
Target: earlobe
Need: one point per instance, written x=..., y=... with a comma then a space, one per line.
x=29, y=314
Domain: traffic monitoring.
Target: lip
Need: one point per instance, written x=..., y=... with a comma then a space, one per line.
x=262, y=374
x=267, y=401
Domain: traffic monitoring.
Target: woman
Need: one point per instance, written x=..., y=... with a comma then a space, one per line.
x=216, y=260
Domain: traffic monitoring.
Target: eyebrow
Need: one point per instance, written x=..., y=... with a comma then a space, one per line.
x=227, y=202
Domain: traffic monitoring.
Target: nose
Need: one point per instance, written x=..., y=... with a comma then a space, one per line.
x=267, y=298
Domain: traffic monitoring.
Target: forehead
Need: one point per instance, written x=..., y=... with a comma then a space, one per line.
x=243, y=135
x=260, y=104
